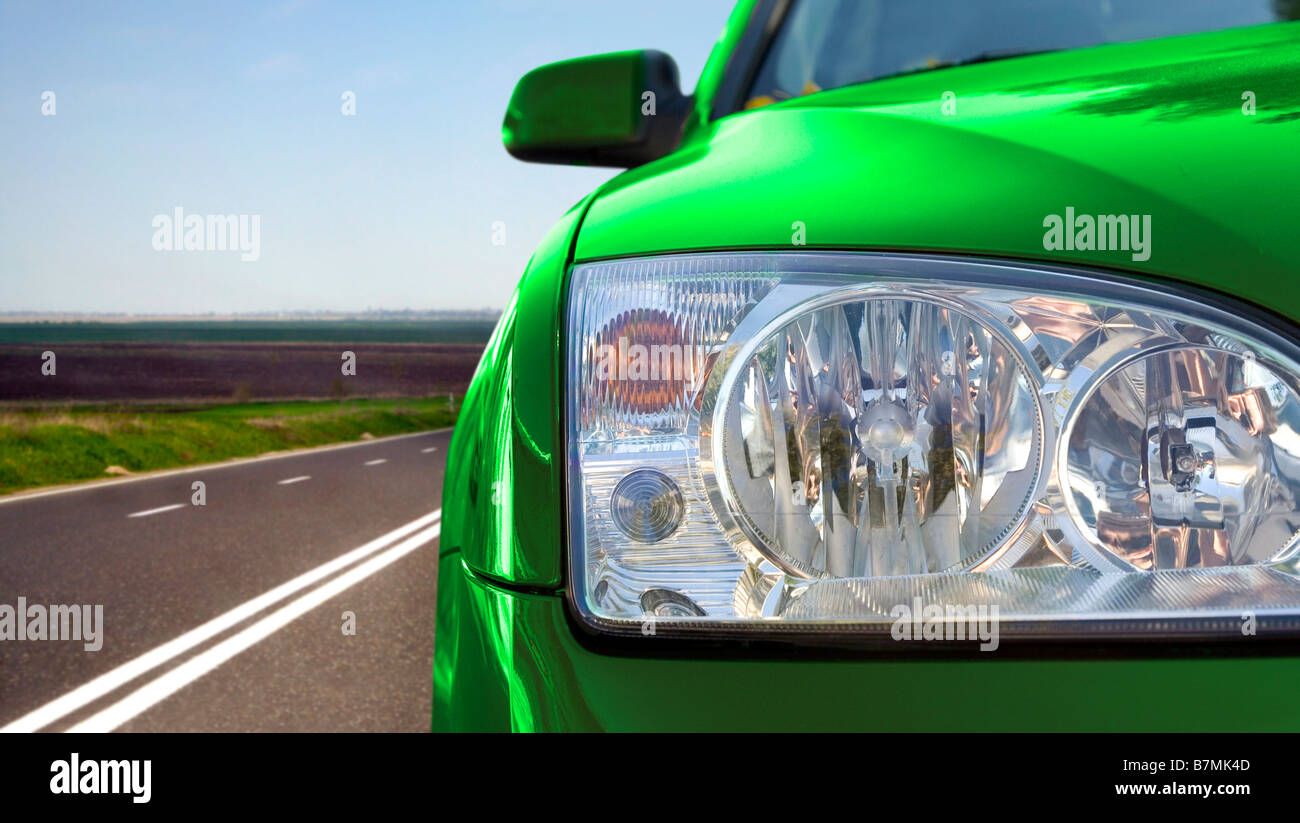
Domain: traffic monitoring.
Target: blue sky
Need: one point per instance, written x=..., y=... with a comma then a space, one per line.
x=234, y=108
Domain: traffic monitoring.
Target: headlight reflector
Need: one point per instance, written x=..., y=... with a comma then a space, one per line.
x=1174, y=461
x=909, y=436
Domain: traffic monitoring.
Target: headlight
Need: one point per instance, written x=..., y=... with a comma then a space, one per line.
x=807, y=442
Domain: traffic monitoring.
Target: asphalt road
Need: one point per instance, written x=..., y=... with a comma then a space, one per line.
x=230, y=616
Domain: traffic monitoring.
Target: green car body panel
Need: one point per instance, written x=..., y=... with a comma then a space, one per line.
x=1155, y=128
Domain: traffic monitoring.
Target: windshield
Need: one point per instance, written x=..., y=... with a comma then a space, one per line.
x=825, y=44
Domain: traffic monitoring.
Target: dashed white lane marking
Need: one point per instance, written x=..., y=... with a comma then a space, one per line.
x=289, y=480
x=158, y=510
x=125, y=673
x=376, y=462
x=154, y=692
x=430, y=449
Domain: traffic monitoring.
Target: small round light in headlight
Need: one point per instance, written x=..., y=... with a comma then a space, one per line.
x=647, y=506
x=666, y=603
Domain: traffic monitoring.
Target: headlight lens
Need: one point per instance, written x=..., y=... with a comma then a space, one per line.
x=909, y=436
x=803, y=442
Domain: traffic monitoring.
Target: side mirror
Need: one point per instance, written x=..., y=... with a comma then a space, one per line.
x=621, y=109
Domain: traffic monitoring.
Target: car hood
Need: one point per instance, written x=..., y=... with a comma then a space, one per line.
x=976, y=160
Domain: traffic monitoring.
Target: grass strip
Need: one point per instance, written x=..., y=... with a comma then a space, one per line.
x=48, y=446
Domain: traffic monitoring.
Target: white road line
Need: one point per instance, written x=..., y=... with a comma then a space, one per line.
x=206, y=467
x=430, y=449
x=114, y=678
x=376, y=462
x=158, y=510
x=298, y=479
x=178, y=678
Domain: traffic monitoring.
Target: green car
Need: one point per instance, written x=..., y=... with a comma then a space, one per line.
x=933, y=366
